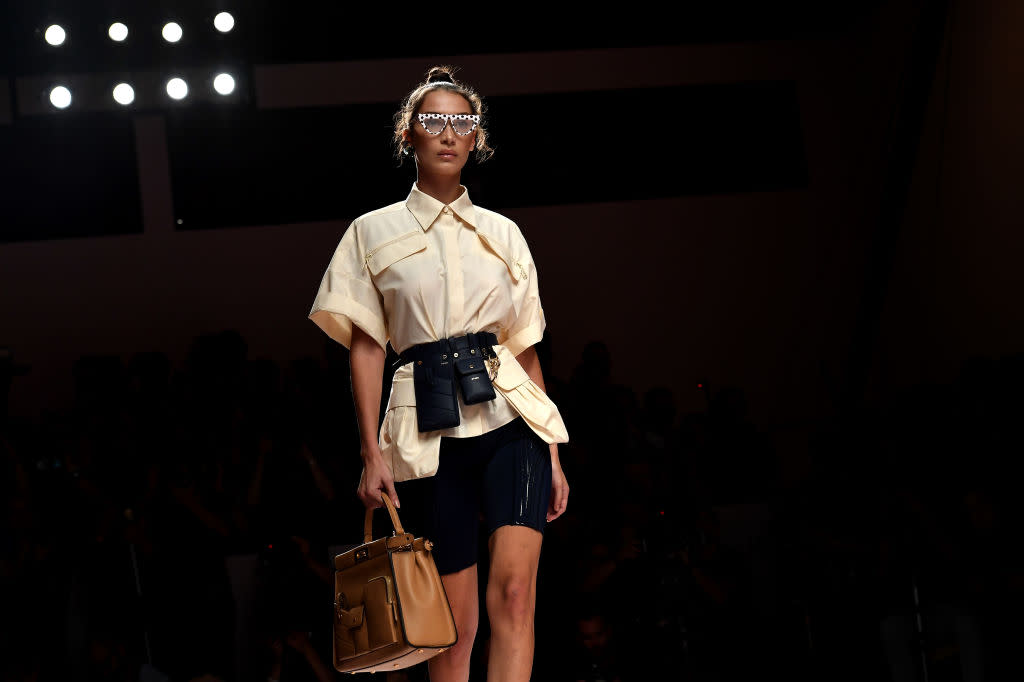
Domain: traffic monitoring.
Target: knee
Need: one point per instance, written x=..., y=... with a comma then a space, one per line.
x=466, y=625
x=458, y=656
x=511, y=599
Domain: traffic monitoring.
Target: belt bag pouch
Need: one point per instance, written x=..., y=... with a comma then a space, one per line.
x=473, y=379
x=437, y=406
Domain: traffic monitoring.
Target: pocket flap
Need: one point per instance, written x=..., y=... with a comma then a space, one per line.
x=389, y=253
x=351, y=618
x=470, y=365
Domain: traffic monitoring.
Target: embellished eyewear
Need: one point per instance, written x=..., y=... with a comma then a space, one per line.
x=462, y=124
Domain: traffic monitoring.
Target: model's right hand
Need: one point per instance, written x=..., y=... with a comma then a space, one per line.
x=375, y=479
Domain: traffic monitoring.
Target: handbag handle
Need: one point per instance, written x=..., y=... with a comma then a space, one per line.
x=368, y=524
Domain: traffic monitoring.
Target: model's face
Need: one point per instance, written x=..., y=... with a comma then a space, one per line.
x=446, y=153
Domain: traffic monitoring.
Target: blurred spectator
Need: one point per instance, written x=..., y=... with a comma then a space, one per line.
x=120, y=514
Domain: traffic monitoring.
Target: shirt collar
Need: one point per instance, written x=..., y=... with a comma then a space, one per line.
x=426, y=208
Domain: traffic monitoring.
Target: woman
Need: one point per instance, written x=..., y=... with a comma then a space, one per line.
x=436, y=276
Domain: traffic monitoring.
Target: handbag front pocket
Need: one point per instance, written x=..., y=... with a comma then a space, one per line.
x=381, y=613
x=349, y=628
x=473, y=380
x=368, y=626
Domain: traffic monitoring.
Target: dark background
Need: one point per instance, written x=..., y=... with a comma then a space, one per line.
x=779, y=256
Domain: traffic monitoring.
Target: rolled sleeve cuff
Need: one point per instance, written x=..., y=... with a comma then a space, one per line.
x=336, y=314
x=524, y=338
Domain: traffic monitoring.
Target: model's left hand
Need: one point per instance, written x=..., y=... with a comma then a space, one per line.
x=559, y=488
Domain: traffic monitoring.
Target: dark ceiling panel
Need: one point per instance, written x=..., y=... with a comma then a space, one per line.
x=271, y=31
x=266, y=167
x=69, y=177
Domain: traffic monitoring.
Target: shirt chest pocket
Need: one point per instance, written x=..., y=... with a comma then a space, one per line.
x=383, y=256
x=516, y=269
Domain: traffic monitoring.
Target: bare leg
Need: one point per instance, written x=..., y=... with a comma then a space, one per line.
x=453, y=665
x=511, y=602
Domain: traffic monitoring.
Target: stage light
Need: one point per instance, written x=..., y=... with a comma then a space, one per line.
x=224, y=84
x=124, y=94
x=55, y=35
x=60, y=97
x=172, y=32
x=118, y=32
x=224, y=22
x=177, y=88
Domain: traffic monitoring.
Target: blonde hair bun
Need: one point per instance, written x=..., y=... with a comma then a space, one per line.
x=440, y=74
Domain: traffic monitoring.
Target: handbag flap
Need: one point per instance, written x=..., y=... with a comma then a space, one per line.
x=374, y=549
x=363, y=552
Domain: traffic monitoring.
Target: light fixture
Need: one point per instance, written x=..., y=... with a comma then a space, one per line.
x=60, y=97
x=224, y=83
x=124, y=94
x=172, y=32
x=224, y=22
x=55, y=35
x=177, y=88
x=118, y=32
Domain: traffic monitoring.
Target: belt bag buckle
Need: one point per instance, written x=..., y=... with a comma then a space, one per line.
x=473, y=370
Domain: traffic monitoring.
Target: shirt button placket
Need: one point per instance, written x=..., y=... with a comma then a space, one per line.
x=453, y=259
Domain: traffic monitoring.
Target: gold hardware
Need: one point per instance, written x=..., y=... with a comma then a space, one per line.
x=419, y=362
x=362, y=554
x=493, y=363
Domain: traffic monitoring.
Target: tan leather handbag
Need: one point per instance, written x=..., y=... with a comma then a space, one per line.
x=390, y=607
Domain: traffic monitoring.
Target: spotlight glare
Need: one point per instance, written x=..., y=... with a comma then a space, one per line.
x=224, y=84
x=124, y=94
x=177, y=88
x=118, y=32
x=60, y=97
x=55, y=35
x=224, y=22
x=172, y=32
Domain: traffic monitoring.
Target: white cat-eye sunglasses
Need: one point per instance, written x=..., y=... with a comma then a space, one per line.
x=462, y=124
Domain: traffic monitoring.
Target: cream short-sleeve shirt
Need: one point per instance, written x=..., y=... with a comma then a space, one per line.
x=419, y=271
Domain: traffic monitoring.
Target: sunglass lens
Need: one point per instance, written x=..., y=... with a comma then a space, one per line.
x=433, y=124
x=463, y=126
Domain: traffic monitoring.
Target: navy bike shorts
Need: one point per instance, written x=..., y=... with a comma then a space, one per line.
x=502, y=477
